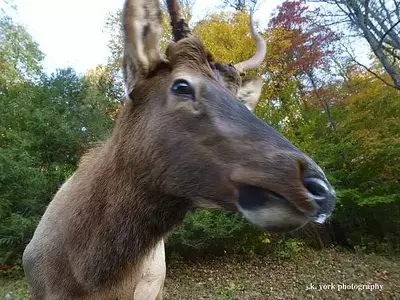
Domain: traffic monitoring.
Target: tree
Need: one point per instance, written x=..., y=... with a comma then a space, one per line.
x=310, y=44
x=45, y=128
x=299, y=54
x=239, y=5
x=369, y=179
x=186, y=6
x=378, y=22
x=6, y=6
x=227, y=36
x=20, y=56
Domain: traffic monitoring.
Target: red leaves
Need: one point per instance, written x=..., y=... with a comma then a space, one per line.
x=309, y=44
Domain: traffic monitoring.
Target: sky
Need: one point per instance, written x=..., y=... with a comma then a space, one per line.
x=70, y=33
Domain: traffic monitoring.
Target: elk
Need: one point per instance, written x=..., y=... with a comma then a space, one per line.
x=185, y=139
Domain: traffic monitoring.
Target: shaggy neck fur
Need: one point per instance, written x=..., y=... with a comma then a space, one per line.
x=121, y=214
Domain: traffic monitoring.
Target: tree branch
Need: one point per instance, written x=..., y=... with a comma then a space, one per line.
x=387, y=32
x=375, y=74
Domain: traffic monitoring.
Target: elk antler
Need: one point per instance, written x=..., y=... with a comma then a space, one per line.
x=180, y=29
x=256, y=60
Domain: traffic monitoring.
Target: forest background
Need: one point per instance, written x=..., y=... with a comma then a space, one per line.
x=341, y=110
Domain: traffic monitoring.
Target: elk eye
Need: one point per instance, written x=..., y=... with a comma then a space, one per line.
x=183, y=88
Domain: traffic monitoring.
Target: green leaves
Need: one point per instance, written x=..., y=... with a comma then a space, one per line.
x=45, y=128
x=48, y=121
x=214, y=231
x=20, y=57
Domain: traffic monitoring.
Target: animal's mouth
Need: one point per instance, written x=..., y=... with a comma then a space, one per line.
x=252, y=198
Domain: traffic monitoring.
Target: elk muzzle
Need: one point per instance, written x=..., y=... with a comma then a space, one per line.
x=299, y=195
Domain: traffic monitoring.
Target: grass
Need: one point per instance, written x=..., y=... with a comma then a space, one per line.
x=261, y=277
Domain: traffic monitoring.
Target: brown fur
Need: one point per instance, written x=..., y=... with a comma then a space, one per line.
x=168, y=154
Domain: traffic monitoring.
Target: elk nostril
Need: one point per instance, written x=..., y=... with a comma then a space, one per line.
x=317, y=187
x=319, y=191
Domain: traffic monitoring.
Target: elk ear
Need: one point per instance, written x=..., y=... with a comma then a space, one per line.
x=141, y=30
x=250, y=91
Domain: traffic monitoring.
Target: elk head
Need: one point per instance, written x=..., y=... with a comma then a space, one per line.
x=190, y=138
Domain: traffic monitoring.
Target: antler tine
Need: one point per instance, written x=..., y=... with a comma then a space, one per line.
x=256, y=60
x=180, y=29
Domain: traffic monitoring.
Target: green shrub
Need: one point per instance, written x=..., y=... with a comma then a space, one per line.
x=215, y=232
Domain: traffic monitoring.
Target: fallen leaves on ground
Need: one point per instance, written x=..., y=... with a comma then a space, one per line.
x=326, y=274
x=268, y=277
